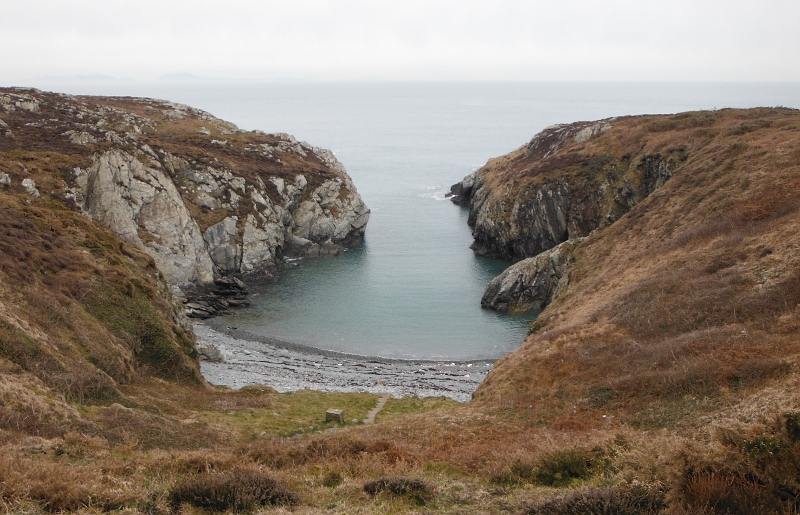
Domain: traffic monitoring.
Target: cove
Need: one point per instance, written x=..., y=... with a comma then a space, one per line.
x=413, y=290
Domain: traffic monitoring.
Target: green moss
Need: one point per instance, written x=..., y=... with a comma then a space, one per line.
x=291, y=413
x=128, y=311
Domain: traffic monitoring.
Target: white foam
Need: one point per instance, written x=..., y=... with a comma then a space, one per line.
x=433, y=192
x=438, y=195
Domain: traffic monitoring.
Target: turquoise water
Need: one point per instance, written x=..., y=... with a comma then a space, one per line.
x=413, y=289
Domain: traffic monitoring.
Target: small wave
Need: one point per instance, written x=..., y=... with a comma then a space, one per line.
x=436, y=195
x=433, y=192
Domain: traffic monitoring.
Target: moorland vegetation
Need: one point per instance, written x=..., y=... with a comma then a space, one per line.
x=663, y=379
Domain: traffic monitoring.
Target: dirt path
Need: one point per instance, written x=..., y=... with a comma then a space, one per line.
x=377, y=409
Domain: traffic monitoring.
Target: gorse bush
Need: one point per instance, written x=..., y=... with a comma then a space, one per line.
x=239, y=491
x=619, y=500
x=332, y=479
x=558, y=468
x=561, y=468
x=416, y=490
x=757, y=473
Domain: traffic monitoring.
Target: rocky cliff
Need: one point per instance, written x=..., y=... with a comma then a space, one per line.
x=685, y=286
x=200, y=196
x=559, y=186
x=568, y=181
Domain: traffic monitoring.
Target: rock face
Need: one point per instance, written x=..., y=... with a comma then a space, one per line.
x=531, y=283
x=555, y=188
x=200, y=196
x=537, y=204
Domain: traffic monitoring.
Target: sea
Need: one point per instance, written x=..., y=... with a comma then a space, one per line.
x=413, y=289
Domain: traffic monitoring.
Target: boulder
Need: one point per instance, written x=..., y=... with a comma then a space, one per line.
x=208, y=351
x=30, y=187
x=531, y=283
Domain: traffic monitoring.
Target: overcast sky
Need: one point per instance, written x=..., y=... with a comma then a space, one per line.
x=402, y=39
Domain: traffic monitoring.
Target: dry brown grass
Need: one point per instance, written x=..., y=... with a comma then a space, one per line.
x=666, y=372
x=691, y=294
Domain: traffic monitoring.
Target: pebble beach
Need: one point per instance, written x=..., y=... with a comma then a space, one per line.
x=235, y=359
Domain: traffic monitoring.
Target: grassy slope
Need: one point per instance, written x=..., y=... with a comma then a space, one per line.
x=665, y=373
x=691, y=295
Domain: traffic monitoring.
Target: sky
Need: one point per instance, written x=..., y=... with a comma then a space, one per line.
x=533, y=40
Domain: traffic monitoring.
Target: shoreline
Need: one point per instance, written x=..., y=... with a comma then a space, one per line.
x=240, y=360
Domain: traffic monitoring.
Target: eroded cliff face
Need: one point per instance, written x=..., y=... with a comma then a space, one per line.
x=200, y=196
x=567, y=182
x=559, y=186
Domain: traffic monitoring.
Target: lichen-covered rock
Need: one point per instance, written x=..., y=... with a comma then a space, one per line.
x=30, y=187
x=532, y=283
x=202, y=197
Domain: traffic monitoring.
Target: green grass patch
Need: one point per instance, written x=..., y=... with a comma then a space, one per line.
x=399, y=408
x=129, y=312
x=290, y=413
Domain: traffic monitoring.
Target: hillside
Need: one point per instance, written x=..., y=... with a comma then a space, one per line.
x=661, y=376
x=680, y=308
x=179, y=198
x=683, y=272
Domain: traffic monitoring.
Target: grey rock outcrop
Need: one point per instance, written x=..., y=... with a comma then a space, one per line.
x=6, y=130
x=30, y=187
x=143, y=204
x=532, y=283
x=552, y=139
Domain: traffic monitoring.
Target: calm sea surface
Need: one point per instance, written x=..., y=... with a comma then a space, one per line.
x=413, y=289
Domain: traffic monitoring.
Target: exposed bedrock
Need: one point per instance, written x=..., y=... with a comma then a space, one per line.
x=556, y=188
x=533, y=282
x=202, y=207
x=202, y=197
x=143, y=204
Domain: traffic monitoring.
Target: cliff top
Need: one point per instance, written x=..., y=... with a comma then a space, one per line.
x=78, y=127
